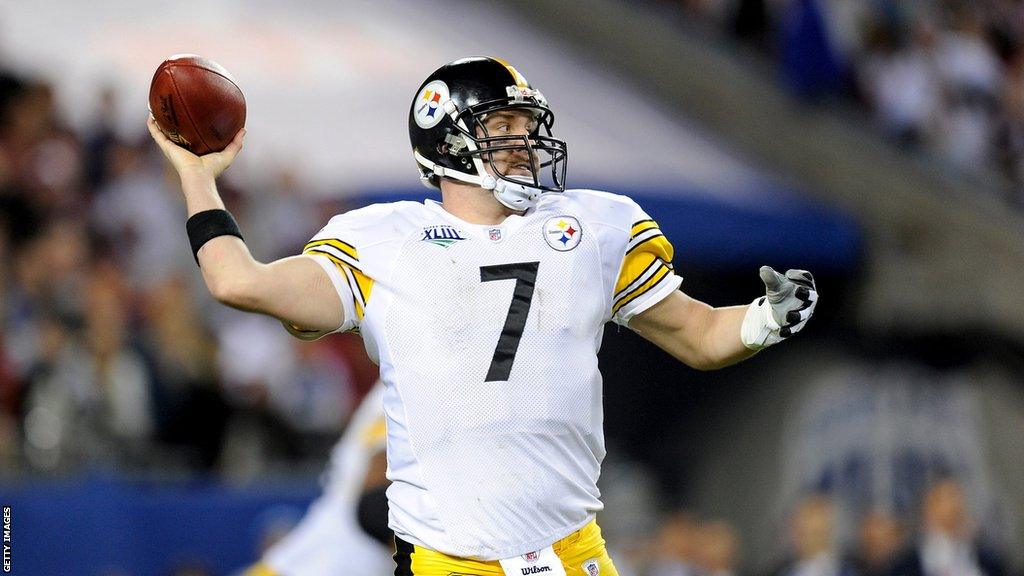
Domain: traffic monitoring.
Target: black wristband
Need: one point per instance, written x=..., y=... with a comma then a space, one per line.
x=207, y=225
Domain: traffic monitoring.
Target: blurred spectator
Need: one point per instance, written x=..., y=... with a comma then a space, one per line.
x=281, y=217
x=45, y=160
x=813, y=533
x=946, y=543
x=676, y=547
x=882, y=541
x=902, y=84
x=944, y=77
x=717, y=549
x=141, y=214
x=100, y=138
x=190, y=412
x=970, y=72
x=1011, y=137
x=89, y=394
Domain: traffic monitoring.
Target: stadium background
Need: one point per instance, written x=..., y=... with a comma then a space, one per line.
x=145, y=429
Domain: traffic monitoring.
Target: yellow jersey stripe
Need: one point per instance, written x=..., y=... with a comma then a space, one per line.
x=641, y=226
x=334, y=243
x=365, y=285
x=652, y=263
x=653, y=238
x=333, y=257
x=358, y=298
x=636, y=262
x=642, y=289
x=361, y=285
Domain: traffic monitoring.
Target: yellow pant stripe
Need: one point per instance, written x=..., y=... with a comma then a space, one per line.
x=579, y=552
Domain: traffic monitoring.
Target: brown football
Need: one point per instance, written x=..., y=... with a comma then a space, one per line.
x=197, y=103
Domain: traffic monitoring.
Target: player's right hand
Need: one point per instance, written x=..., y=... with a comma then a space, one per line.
x=784, y=310
x=188, y=164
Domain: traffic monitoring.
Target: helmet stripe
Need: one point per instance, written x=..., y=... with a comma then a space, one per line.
x=520, y=80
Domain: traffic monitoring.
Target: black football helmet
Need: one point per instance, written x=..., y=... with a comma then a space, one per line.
x=450, y=140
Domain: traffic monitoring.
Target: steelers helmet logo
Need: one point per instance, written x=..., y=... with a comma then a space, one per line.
x=563, y=233
x=428, y=109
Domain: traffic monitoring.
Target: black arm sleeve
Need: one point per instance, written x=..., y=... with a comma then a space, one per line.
x=372, y=514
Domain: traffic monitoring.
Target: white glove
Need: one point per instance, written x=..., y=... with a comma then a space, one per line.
x=783, y=311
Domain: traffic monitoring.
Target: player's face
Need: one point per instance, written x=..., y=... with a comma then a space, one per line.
x=511, y=123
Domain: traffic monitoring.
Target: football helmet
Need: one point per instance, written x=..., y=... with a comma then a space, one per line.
x=450, y=139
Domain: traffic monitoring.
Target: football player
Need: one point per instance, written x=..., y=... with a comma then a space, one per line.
x=485, y=312
x=345, y=530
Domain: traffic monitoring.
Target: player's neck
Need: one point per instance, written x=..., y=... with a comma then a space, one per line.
x=474, y=205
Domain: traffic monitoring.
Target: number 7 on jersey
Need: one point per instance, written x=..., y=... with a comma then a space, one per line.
x=525, y=275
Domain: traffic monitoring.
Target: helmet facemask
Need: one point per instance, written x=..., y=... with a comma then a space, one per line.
x=538, y=153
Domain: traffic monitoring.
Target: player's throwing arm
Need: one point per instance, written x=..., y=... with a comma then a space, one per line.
x=295, y=290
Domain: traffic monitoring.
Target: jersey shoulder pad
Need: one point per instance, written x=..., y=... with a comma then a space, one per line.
x=375, y=221
x=607, y=208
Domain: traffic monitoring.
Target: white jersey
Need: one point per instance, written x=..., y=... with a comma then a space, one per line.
x=328, y=540
x=487, y=341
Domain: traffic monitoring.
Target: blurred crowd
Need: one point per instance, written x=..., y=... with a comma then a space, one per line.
x=939, y=541
x=112, y=355
x=943, y=76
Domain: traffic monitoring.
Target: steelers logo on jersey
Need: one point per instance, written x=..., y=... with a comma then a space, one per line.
x=563, y=233
x=429, y=105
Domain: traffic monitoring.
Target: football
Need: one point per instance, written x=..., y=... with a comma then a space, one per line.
x=197, y=103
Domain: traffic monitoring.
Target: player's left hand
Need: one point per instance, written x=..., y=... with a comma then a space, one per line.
x=784, y=310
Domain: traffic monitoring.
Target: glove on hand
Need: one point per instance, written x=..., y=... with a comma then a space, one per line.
x=783, y=311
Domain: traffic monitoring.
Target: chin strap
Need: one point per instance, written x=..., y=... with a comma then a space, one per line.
x=513, y=195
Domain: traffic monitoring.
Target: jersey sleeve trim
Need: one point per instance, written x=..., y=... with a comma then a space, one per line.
x=336, y=250
x=647, y=275
x=345, y=258
x=651, y=296
x=655, y=272
x=642, y=225
x=645, y=239
x=344, y=290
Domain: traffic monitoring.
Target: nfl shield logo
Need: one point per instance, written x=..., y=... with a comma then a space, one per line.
x=494, y=234
x=531, y=556
x=592, y=567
